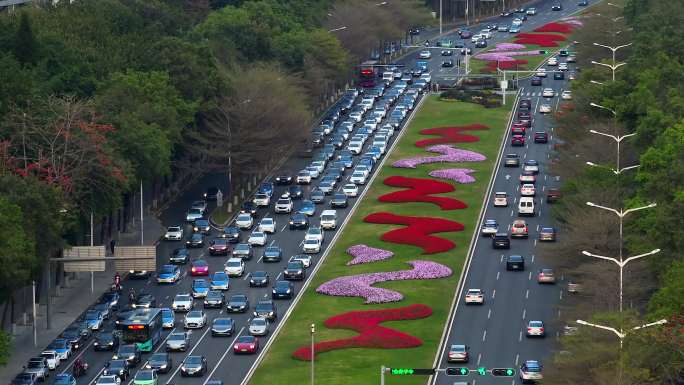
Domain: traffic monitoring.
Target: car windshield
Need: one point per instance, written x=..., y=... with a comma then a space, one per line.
x=272, y=250
x=294, y=266
x=282, y=285
x=222, y=321
x=177, y=337
x=93, y=314
x=196, y=237
x=245, y=340
x=259, y=274
x=200, y=283
x=145, y=375
x=158, y=357
x=167, y=269
x=182, y=297
x=258, y=322
x=242, y=247
x=238, y=298
x=40, y=364
x=457, y=348
x=195, y=211
x=214, y=294
x=473, y=292
x=267, y=221
x=194, y=360
x=311, y=242
x=174, y=229
x=117, y=364
x=233, y=263
x=195, y=314
x=535, y=324
x=244, y=217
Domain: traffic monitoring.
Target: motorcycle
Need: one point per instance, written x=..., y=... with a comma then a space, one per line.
x=80, y=370
x=116, y=288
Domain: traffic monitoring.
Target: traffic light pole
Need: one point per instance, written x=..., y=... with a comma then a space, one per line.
x=383, y=369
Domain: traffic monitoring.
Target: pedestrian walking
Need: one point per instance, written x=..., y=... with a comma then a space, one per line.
x=112, y=245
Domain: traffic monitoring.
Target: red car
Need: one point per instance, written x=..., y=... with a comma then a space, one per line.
x=518, y=140
x=219, y=247
x=541, y=137
x=199, y=267
x=246, y=344
x=518, y=128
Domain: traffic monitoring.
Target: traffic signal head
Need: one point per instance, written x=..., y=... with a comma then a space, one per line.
x=457, y=371
x=543, y=52
x=402, y=371
x=412, y=371
x=503, y=372
x=482, y=371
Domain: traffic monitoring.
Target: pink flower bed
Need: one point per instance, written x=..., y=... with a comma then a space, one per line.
x=459, y=175
x=500, y=47
x=449, y=154
x=504, y=56
x=367, y=254
x=541, y=39
x=361, y=285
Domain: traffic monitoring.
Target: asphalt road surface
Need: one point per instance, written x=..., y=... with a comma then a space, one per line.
x=492, y=331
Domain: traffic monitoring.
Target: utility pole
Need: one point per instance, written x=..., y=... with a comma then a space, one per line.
x=142, y=230
x=313, y=353
x=35, y=318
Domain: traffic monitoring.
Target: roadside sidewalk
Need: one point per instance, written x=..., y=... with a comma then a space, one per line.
x=71, y=299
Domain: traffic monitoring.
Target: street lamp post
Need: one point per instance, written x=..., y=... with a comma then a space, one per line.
x=616, y=172
x=613, y=50
x=313, y=353
x=595, y=82
x=612, y=67
x=620, y=333
x=621, y=263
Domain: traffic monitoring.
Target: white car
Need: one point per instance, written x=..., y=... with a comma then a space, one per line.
x=350, y=190
x=234, y=267
x=108, y=380
x=319, y=164
x=304, y=259
x=52, y=358
x=313, y=172
x=531, y=165
x=358, y=177
x=303, y=177
x=563, y=66
x=262, y=200
x=283, y=205
x=535, y=329
x=548, y=93
x=527, y=190
x=500, y=199
x=486, y=34
x=257, y=238
x=355, y=147
x=258, y=326
x=267, y=225
x=552, y=61
x=566, y=95
x=174, y=233
x=244, y=221
x=311, y=246
x=195, y=319
x=182, y=302
x=363, y=168
x=474, y=296
x=531, y=370
x=425, y=54
x=541, y=73
x=544, y=108
x=489, y=227
x=314, y=233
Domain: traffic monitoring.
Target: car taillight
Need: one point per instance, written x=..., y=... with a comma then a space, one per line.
x=194, y=270
x=529, y=329
x=541, y=329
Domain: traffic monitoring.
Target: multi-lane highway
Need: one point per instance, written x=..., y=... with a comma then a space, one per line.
x=492, y=331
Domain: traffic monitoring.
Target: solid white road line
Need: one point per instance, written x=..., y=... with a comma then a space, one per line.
x=484, y=335
x=209, y=377
x=479, y=358
x=489, y=313
x=498, y=273
x=527, y=294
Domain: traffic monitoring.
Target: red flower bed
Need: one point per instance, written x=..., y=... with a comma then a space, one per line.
x=417, y=230
x=419, y=191
x=450, y=135
x=504, y=65
x=555, y=27
x=371, y=334
x=542, y=39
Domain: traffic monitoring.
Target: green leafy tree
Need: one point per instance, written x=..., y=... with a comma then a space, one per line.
x=5, y=347
x=18, y=247
x=668, y=301
x=25, y=45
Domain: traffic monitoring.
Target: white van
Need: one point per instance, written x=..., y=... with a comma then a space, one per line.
x=526, y=206
x=388, y=76
x=328, y=219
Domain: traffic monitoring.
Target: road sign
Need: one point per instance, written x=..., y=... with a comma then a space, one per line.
x=88, y=252
x=412, y=371
x=504, y=84
x=148, y=261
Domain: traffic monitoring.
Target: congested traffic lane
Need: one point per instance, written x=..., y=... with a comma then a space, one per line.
x=496, y=331
x=218, y=350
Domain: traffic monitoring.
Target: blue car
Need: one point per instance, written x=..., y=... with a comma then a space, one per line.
x=266, y=188
x=200, y=288
x=307, y=208
x=220, y=281
x=94, y=319
x=62, y=347
x=64, y=379
x=168, y=274
x=168, y=318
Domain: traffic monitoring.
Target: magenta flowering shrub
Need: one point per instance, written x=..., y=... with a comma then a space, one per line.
x=501, y=47
x=504, y=56
x=449, y=154
x=361, y=285
x=459, y=175
x=366, y=254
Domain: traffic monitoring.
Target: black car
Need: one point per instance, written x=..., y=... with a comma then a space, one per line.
x=117, y=368
x=515, y=262
x=211, y=193
x=511, y=160
x=272, y=254
x=195, y=366
x=536, y=81
x=299, y=221
x=448, y=63
x=145, y=300
x=317, y=196
x=282, y=290
x=558, y=76
x=294, y=271
x=501, y=241
x=557, y=7
x=238, y=303
x=214, y=299
x=201, y=226
x=74, y=337
x=525, y=104
x=258, y=278
x=129, y=353
x=196, y=240
x=111, y=299
x=583, y=3
x=222, y=326
x=231, y=233
x=481, y=43
x=295, y=192
x=25, y=379
x=447, y=52
x=339, y=200
x=106, y=341
x=265, y=309
x=249, y=207
x=219, y=246
x=161, y=362
x=82, y=326
x=283, y=179
x=180, y=256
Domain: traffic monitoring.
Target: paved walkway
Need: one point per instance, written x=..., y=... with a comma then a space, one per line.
x=71, y=300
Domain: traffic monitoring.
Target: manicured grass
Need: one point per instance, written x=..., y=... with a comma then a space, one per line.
x=220, y=215
x=361, y=366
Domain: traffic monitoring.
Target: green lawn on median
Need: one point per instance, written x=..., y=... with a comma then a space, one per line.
x=361, y=366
